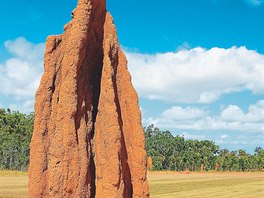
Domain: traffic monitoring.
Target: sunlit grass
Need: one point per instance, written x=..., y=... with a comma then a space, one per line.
x=247, y=185
x=13, y=184
x=12, y=173
x=167, y=184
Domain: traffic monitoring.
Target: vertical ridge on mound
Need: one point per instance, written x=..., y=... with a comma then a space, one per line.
x=88, y=139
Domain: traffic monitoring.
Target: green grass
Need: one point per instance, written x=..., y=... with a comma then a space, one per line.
x=164, y=185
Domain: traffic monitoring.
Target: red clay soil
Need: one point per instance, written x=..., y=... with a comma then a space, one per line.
x=88, y=139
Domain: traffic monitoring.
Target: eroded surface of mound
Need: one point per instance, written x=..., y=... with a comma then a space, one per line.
x=88, y=139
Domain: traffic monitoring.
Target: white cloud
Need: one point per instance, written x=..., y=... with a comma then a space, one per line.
x=193, y=136
x=231, y=118
x=234, y=113
x=21, y=48
x=25, y=106
x=223, y=139
x=179, y=113
x=236, y=141
x=196, y=75
x=254, y=2
x=20, y=74
x=224, y=136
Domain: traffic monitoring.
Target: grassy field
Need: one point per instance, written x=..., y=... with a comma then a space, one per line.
x=13, y=184
x=211, y=185
x=167, y=184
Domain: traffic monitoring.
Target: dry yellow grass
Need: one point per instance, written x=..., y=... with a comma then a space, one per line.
x=13, y=184
x=167, y=185
x=211, y=185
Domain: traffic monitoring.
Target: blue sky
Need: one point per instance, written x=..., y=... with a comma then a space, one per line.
x=197, y=64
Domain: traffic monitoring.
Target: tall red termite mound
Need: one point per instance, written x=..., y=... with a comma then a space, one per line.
x=88, y=139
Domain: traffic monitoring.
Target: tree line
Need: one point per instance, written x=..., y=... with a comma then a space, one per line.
x=15, y=134
x=165, y=151
x=168, y=152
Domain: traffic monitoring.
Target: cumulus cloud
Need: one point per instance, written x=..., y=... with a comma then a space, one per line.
x=193, y=136
x=232, y=118
x=224, y=136
x=24, y=106
x=196, y=75
x=179, y=113
x=20, y=74
x=254, y=2
x=189, y=75
x=235, y=113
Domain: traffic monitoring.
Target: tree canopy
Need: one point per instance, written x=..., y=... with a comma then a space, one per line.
x=15, y=134
x=165, y=151
x=176, y=153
